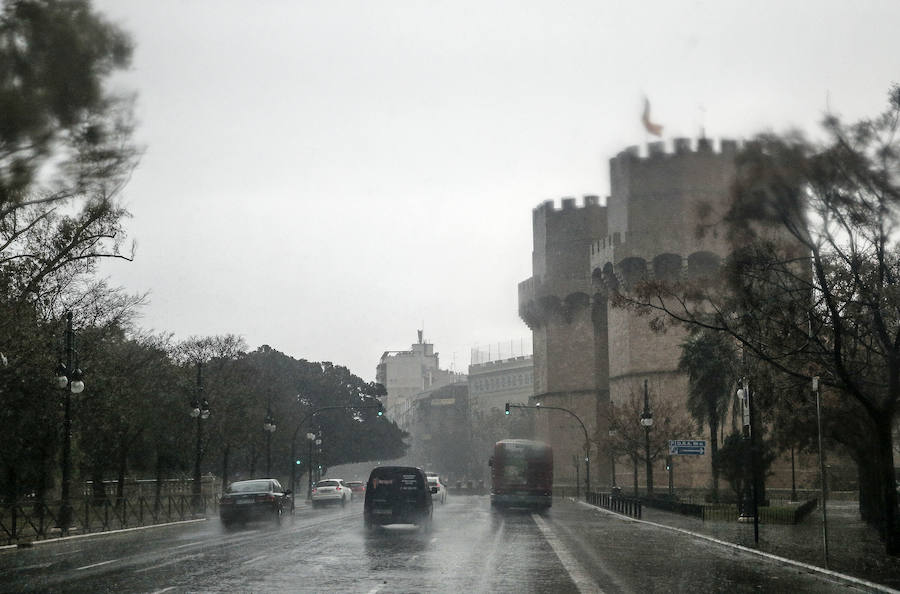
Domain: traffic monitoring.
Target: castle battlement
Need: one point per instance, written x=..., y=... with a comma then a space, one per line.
x=678, y=147
x=568, y=204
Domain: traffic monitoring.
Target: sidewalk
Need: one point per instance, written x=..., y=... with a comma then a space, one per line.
x=853, y=547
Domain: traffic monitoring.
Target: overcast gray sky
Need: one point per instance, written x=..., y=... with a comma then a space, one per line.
x=324, y=177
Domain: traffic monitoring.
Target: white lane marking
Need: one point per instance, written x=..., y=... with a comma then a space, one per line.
x=255, y=559
x=582, y=580
x=414, y=557
x=158, y=565
x=190, y=544
x=375, y=589
x=37, y=566
x=164, y=590
x=434, y=540
x=97, y=534
x=96, y=564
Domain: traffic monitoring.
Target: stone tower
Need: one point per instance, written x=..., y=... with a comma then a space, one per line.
x=588, y=353
x=556, y=304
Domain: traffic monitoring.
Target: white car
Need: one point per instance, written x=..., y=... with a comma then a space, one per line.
x=435, y=481
x=331, y=491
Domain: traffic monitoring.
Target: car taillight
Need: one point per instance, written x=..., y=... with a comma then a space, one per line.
x=337, y=488
x=314, y=490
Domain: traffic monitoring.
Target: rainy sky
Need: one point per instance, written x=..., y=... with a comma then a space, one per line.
x=326, y=177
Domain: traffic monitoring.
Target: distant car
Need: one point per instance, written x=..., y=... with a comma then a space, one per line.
x=331, y=491
x=398, y=495
x=358, y=488
x=435, y=481
x=259, y=499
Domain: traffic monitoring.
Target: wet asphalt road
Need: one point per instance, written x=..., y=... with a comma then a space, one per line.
x=571, y=548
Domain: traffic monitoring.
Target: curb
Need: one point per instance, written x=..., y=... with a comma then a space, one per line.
x=807, y=566
x=88, y=534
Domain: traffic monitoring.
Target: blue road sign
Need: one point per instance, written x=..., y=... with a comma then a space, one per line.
x=687, y=447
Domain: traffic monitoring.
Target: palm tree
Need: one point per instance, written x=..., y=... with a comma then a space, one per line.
x=709, y=359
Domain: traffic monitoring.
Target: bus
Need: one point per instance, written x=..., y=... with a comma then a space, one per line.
x=522, y=474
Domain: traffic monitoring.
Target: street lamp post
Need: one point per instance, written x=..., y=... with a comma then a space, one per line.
x=199, y=411
x=750, y=503
x=647, y=423
x=310, y=438
x=70, y=378
x=319, y=456
x=612, y=458
x=297, y=428
x=587, y=441
x=269, y=428
x=670, y=467
x=822, y=483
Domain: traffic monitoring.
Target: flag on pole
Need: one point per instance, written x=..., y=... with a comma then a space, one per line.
x=652, y=128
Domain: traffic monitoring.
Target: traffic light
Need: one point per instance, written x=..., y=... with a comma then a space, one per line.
x=668, y=462
x=298, y=462
x=380, y=409
x=507, y=408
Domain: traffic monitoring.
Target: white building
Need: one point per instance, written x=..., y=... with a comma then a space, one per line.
x=494, y=383
x=406, y=374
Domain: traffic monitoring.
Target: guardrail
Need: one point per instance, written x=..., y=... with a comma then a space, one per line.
x=27, y=520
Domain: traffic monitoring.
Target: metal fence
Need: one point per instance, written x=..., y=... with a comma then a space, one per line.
x=767, y=514
x=627, y=506
x=632, y=506
x=28, y=520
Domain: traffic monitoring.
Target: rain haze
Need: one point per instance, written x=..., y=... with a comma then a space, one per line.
x=711, y=402
x=329, y=177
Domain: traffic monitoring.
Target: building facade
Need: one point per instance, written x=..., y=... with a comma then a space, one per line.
x=439, y=430
x=494, y=383
x=406, y=374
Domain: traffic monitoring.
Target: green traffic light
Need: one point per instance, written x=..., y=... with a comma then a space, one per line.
x=299, y=462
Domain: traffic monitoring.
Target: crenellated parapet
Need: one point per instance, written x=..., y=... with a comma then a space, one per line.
x=626, y=273
x=670, y=199
x=561, y=278
x=678, y=147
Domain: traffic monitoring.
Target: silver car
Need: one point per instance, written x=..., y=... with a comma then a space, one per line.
x=331, y=491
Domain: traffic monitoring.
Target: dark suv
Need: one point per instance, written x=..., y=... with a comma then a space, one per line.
x=398, y=495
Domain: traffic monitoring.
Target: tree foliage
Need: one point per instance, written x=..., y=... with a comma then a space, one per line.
x=66, y=152
x=63, y=134
x=710, y=361
x=629, y=438
x=734, y=460
x=812, y=286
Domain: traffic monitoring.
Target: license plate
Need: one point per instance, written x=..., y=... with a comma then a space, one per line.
x=245, y=501
x=383, y=512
